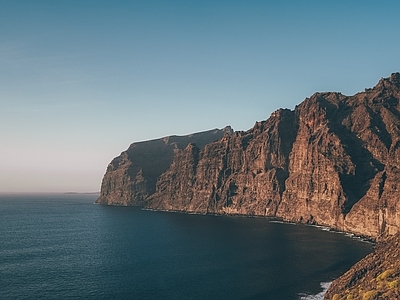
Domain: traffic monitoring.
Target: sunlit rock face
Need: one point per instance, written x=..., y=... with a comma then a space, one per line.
x=333, y=160
x=344, y=163
x=243, y=173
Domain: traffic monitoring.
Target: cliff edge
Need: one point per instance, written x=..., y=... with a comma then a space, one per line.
x=131, y=177
x=334, y=160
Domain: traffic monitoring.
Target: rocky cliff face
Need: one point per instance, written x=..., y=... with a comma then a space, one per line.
x=333, y=160
x=243, y=173
x=131, y=177
x=344, y=164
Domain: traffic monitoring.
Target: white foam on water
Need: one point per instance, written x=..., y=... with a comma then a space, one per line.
x=321, y=227
x=283, y=222
x=320, y=295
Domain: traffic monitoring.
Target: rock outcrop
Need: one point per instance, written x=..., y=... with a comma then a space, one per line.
x=334, y=160
x=377, y=276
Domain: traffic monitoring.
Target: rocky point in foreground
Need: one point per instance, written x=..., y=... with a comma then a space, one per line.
x=377, y=276
x=334, y=160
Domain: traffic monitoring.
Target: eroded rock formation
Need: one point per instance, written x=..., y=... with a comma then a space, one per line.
x=333, y=160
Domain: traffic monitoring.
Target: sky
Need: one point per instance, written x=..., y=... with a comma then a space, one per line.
x=81, y=80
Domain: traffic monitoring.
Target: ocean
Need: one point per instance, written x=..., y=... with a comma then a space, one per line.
x=65, y=247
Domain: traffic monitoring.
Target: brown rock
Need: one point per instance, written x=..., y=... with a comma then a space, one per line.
x=377, y=276
x=334, y=160
x=240, y=174
x=131, y=177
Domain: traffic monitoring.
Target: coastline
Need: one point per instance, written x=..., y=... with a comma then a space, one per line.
x=323, y=284
x=319, y=296
x=271, y=219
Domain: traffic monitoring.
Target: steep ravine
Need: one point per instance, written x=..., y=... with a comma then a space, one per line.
x=334, y=160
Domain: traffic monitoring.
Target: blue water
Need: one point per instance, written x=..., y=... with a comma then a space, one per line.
x=65, y=247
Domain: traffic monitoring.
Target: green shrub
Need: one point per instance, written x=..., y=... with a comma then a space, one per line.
x=370, y=295
x=393, y=284
x=388, y=273
x=336, y=297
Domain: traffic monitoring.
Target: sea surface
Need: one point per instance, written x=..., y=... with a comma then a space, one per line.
x=66, y=247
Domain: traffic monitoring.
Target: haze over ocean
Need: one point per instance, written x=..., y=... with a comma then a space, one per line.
x=81, y=80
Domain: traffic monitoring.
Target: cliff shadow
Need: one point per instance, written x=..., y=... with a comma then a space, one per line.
x=354, y=185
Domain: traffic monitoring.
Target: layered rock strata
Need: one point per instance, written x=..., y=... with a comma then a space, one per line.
x=334, y=160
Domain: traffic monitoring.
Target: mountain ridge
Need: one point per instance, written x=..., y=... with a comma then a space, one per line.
x=131, y=177
x=333, y=160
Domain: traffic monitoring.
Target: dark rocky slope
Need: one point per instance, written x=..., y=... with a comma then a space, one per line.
x=377, y=276
x=333, y=160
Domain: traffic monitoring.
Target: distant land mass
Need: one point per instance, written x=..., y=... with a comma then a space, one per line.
x=334, y=161
x=81, y=193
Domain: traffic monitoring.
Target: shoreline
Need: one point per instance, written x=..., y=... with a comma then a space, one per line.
x=319, y=296
x=349, y=234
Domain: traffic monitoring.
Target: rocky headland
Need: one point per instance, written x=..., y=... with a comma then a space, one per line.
x=377, y=276
x=131, y=177
x=334, y=161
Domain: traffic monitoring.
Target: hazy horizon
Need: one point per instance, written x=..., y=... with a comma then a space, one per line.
x=81, y=80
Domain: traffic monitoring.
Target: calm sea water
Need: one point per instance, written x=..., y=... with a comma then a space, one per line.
x=65, y=247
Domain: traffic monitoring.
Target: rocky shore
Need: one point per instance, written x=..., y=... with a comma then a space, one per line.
x=377, y=276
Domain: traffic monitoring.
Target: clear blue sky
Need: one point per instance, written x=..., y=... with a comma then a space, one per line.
x=81, y=80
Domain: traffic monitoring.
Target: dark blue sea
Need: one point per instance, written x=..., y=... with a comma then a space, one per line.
x=66, y=247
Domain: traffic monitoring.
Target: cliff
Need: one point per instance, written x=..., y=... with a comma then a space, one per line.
x=131, y=177
x=243, y=173
x=334, y=160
